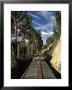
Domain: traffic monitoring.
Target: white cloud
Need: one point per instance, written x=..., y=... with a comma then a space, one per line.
x=47, y=16
x=49, y=33
x=43, y=14
x=46, y=27
x=53, y=18
x=38, y=27
x=46, y=35
x=33, y=21
x=34, y=15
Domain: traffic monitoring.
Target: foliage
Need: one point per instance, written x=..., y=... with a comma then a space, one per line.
x=37, y=37
x=50, y=40
x=53, y=40
x=22, y=22
x=40, y=41
x=57, y=30
x=44, y=46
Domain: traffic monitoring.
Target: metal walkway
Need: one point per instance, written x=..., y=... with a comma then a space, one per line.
x=38, y=70
x=47, y=72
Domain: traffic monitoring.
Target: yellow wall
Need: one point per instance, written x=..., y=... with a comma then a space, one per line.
x=56, y=57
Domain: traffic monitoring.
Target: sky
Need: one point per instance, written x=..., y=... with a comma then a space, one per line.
x=44, y=21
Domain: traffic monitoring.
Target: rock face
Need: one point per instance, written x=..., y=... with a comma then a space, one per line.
x=56, y=57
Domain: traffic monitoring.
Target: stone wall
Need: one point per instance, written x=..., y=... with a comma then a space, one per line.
x=56, y=57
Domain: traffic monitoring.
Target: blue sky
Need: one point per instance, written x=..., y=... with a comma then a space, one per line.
x=44, y=21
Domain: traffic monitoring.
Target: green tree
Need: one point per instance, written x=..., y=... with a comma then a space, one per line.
x=50, y=40
x=57, y=29
x=39, y=39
